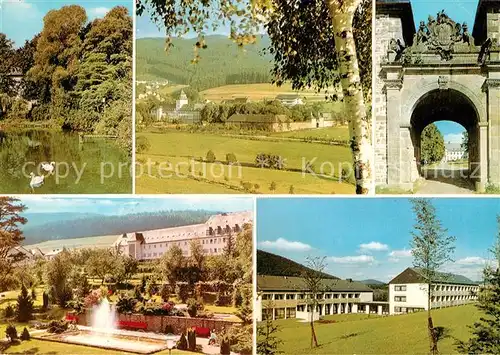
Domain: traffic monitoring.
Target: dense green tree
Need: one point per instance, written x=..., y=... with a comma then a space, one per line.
x=57, y=278
x=465, y=141
x=170, y=264
x=432, y=145
x=103, y=263
x=431, y=248
x=11, y=236
x=7, y=54
x=24, y=307
x=486, y=332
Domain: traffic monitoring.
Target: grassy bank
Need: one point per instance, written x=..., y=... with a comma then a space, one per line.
x=363, y=334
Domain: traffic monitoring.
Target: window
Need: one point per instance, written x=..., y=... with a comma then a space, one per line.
x=397, y=309
x=290, y=296
x=400, y=288
x=290, y=313
x=278, y=296
x=319, y=296
x=266, y=296
x=280, y=313
x=399, y=298
x=300, y=296
x=301, y=308
x=267, y=314
x=356, y=295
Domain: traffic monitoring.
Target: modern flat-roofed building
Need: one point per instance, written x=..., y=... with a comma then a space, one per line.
x=213, y=236
x=408, y=291
x=284, y=297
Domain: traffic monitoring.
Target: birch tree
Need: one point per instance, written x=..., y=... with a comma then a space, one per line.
x=313, y=42
x=431, y=247
x=313, y=279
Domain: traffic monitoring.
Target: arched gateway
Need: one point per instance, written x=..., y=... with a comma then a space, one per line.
x=436, y=72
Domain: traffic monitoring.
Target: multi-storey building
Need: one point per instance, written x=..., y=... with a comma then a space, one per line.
x=283, y=297
x=213, y=235
x=408, y=291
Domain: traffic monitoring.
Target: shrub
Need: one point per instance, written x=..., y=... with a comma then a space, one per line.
x=151, y=287
x=125, y=304
x=182, y=291
x=138, y=294
x=9, y=311
x=25, y=335
x=210, y=157
x=225, y=348
x=291, y=191
x=11, y=333
x=272, y=186
x=142, y=144
x=191, y=339
x=165, y=292
x=182, y=343
x=193, y=306
x=247, y=186
x=231, y=158
x=24, y=309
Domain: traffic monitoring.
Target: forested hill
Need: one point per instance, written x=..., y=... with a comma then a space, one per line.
x=275, y=265
x=221, y=63
x=97, y=225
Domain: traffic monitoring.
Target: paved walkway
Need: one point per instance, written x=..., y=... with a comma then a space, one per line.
x=446, y=179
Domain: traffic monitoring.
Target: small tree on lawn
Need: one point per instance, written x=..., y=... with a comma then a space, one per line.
x=431, y=248
x=267, y=340
x=210, y=157
x=273, y=186
x=24, y=308
x=486, y=332
x=11, y=333
x=25, y=335
x=313, y=280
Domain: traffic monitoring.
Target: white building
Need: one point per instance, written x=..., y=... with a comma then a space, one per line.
x=213, y=236
x=283, y=297
x=408, y=291
x=183, y=101
x=454, y=151
x=290, y=99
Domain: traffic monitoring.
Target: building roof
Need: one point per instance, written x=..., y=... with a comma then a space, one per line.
x=292, y=283
x=256, y=118
x=414, y=275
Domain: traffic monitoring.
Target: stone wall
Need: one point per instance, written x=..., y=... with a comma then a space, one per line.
x=386, y=28
x=159, y=323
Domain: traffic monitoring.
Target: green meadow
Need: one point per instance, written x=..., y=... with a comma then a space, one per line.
x=369, y=334
x=177, y=154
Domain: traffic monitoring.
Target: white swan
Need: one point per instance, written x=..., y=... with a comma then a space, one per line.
x=48, y=167
x=36, y=181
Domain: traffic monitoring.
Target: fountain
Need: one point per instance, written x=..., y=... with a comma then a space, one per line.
x=104, y=333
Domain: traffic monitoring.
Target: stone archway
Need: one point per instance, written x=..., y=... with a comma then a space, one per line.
x=447, y=105
x=432, y=72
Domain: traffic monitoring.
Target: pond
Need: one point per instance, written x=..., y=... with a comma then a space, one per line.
x=81, y=166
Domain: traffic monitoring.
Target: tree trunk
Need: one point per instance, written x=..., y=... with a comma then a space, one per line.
x=314, y=340
x=430, y=325
x=342, y=15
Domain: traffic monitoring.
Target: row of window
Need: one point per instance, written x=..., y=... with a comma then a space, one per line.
x=185, y=252
x=454, y=288
x=452, y=298
x=220, y=230
x=279, y=313
x=399, y=298
x=400, y=288
x=211, y=241
x=301, y=296
x=407, y=309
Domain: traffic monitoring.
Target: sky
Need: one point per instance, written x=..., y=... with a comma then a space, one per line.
x=123, y=206
x=20, y=20
x=369, y=238
x=459, y=11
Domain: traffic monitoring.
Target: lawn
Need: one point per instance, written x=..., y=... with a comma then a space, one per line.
x=363, y=334
x=178, y=149
x=256, y=92
x=336, y=133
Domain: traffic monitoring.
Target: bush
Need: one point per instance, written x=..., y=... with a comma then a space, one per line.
x=25, y=335
x=9, y=311
x=191, y=339
x=165, y=292
x=193, y=306
x=142, y=144
x=231, y=158
x=291, y=191
x=126, y=304
x=24, y=308
x=182, y=343
x=272, y=186
x=182, y=291
x=11, y=333
x=57, y=326
x=247, y=186
x=225, y=348
x=138, y=294
x=210, y=157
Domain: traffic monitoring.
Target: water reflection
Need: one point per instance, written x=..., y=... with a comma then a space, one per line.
x=78, y=166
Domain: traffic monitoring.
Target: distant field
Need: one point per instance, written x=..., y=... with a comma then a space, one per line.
x=336, y=133
x=363, y=334
x=179, y=148
x=256, y=92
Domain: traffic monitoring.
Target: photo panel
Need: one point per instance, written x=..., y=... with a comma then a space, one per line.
x=66, y=96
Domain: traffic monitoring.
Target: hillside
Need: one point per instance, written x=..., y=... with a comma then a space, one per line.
x=372, y=282
x=221, y=63
x=275, y=265
x=99, y=225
